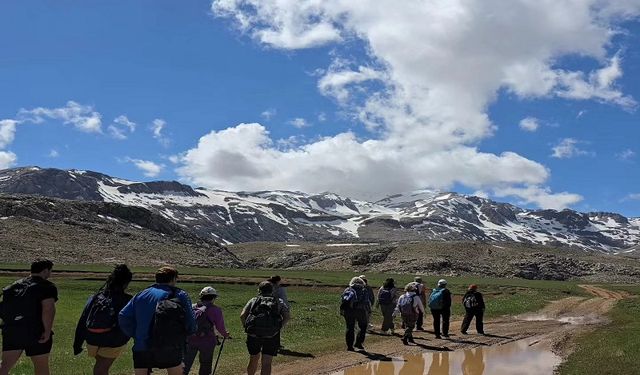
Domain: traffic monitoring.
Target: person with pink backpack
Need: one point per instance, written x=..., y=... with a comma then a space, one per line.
x=209, y=319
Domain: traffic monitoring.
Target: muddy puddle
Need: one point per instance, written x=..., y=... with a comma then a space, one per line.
x=520, y=357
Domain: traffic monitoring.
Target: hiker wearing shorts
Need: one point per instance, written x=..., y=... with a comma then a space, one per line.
x=387, y=301
x=159, y=319
x=28, y=311
x=440, y=306
x=409, y=307
x=473, y=303
x=355, y=307
x=279, y=291
x=98, y=324
x=262, y=318
x=209, y=319
x=421, y=291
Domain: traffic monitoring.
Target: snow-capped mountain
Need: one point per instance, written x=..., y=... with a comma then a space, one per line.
x=230, y=217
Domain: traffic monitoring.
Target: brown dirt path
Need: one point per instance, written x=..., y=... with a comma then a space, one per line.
x=556, y=324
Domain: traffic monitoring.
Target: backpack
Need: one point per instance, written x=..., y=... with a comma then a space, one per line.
x=102, y=316
x=436, y=300
x=19, y=309
x=406, y=307
x=470, y=301
x=264, y=320
x=385, y=297
x=204, y=326
x=354, y=299
x=168, y=328
x=419, y=288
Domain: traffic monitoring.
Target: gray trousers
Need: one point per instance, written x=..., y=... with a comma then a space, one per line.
x=206, y=359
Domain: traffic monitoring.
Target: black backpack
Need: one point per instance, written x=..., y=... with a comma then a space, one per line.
x=470, y=301
x=102, y=316
x=19, y=309
x=203, y=324
x=168, y=328
x=264, y=319
x=354, y=298
x=385, y=297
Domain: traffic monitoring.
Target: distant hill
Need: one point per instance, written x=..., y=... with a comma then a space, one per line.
x=284, y=216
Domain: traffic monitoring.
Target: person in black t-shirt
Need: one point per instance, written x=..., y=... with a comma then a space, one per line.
x=28, y=311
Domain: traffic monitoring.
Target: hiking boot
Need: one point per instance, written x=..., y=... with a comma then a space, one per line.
x=405, y=341
x=359, y=346
x=411, y=340
x=420, y=329
x=438, y=336
x=464, y=332
x=446, y=335
x=351, y=349
x=393, y=331
x=481, y=333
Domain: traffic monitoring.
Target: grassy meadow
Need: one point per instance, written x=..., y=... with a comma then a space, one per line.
x=316, y=326
x=611, y=349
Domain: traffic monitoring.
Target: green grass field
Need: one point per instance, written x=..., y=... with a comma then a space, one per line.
x=614, y=348
x=316, y=326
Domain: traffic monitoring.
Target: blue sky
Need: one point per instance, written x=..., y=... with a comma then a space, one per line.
x=339, y=107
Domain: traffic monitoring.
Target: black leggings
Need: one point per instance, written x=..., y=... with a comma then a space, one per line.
x=445, y=314
x=351, y=318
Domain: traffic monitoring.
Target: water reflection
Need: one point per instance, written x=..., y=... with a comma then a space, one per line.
x=510, y=359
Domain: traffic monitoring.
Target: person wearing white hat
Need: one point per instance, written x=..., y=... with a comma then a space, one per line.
x=440, y=306
x=209, y=319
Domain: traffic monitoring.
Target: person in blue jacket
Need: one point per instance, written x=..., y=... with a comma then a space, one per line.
x=136, y=321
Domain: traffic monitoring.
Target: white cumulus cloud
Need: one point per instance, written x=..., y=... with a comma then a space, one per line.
x=148, y=168
x=82, y=117
x=157, y=129
x=626, y=155
x=268, y=114
x=568, y=148
x=423, y=87
x=121, y=127
x=299, y=123
x=7, y=159
x=7, y=132
x=530, y=124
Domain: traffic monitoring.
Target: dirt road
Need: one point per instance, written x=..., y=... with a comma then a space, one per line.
x=556, y=324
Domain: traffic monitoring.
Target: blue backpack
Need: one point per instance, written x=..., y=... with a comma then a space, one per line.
x=354, y=298
x=436, y=300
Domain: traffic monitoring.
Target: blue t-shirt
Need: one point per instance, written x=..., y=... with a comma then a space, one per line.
x=137, y=316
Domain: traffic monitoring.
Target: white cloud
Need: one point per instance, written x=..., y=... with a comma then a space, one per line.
x=634, y=196
x=430, y=72
x=82, y=117
x=246, y=158
x=299, y=123
x=7, y=159
x=53, y=154
x=268, y=114
x=149, y=168
x=157, y=128
x=540, y=196
x=121, y=127
x=568, y=148
x=322, y=117
x=626, y=155
x=530, y=124
x=7, y=132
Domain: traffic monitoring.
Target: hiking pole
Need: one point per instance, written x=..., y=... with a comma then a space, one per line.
x=219, y=353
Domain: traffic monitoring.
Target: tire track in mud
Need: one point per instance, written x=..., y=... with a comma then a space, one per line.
x=554, y=327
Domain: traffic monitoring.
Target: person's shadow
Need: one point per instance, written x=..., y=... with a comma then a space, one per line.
x=291, y=353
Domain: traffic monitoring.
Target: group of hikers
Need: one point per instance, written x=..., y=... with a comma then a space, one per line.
x=358, y=300
x=169, y=332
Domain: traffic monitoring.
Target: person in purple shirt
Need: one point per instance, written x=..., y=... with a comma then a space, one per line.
x=136, y=320
x=204, y=341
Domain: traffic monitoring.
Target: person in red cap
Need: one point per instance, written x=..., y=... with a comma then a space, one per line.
x=474, y=307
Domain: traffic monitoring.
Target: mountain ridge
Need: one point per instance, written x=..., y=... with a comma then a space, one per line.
x=285, y=216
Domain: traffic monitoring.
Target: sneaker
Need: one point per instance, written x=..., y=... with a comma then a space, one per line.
x=481, y=333
x=464, y=332
x=411, y=340
x=405, y=341
x=446, y=336
x=420, y=329
x=351, y=349
x=438, y=336
x=359, y=346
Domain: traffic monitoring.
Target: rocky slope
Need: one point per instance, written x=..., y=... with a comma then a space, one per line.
x=99, y=232
x=285, y=216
